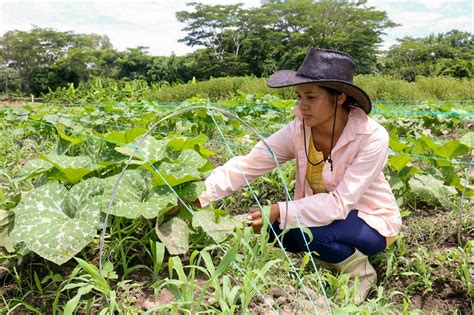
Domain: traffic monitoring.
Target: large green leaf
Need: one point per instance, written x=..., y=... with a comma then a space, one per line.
x=451, y=149
x=184, y=169
x=6, y=225
x=191, y=158
x=175, y=235
x=71, y=168
x=396, y=144
x=398, y=162
x=182, y=143
x=151, y=149
x=35, y=167
x=123, y=137
x=468, y=140
x=132, y=187
x=174, y=174
x=62, y=133
x=132, y=201
x=190, y=191
x=219, y=229
x=56, y=223
x=431, y=190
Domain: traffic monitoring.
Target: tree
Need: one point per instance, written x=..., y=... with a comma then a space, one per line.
x=134, y=63
x=448, y=53
x=279, y=33
x=32, y=53
x=216, y=27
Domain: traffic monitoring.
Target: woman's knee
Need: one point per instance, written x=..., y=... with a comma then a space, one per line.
x=370, y=242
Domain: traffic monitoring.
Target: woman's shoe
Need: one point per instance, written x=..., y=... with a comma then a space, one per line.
x=359, y=267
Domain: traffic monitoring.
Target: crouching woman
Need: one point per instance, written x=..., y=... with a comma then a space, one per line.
x=341, y=194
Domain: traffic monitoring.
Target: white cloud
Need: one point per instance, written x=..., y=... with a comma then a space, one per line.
x=423, y=17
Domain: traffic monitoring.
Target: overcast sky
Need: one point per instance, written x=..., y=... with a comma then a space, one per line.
x=132, y=23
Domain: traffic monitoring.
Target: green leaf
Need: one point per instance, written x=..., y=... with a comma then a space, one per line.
x=227, y=259
x=71, y=168
x=56, y=223
x=468, y=140
x=399, y=161
x=151, y=150
x=451, y=149
x=132, y=199
x=220, y=229
x=396, y=144
x=431, y=190
x=177, y=143
x=99, y=280
x=35, y=167
x=190, y=191
x=72, y=303
x=175, y=235
x=174, y=174
x=62, y=133
x=132, y=187
x=159, y=201
x=123, y=137
x=191, y=158
x=7, y=218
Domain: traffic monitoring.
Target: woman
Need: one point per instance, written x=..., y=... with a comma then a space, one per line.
x=341, y=194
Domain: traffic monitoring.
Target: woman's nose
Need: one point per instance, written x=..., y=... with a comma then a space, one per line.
x=302, y=103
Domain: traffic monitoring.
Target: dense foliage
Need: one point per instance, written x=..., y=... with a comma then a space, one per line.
x=61, y=163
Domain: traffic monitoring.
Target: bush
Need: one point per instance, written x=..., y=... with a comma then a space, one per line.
x=379, y=87
x=447, y=88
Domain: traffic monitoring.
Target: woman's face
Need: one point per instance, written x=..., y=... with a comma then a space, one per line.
x=316, y=104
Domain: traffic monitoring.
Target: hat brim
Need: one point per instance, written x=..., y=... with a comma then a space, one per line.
x=285, y=78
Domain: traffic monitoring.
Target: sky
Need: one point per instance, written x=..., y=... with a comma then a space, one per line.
x=152, y=23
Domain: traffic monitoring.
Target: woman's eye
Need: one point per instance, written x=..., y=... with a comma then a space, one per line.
x=311, y=97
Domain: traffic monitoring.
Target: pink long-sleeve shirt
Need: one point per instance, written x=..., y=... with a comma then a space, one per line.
x=356, y=182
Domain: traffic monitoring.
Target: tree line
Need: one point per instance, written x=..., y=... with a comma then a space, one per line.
x=233, y=41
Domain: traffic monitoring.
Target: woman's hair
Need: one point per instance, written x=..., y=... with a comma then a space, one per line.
x=348, y=103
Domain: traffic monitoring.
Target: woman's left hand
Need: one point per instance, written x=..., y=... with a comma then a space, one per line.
x=257, y=220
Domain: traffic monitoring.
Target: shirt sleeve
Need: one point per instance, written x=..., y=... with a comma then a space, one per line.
x=323, y=208
x=232, y=176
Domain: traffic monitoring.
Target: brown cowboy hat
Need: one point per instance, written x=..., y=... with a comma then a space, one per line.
x=329, y=68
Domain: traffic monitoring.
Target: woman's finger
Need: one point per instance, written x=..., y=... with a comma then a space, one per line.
x=256, y=215
x=257, y=225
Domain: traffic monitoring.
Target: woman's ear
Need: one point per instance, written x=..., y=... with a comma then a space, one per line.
x=341, y=98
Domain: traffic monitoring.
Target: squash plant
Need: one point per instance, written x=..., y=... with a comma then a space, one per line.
x=60, y=218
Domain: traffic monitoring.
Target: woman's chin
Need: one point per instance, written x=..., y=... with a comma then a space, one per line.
x=309, y=121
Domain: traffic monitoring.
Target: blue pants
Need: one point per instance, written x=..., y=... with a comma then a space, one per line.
x=334, y=242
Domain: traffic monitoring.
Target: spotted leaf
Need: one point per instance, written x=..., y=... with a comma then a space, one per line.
x=151, y=149
x=175, y=235
x=56, y=223
x=71, y=168
x=132, y=201
x=191, y=191
x=33, y=168
x=218, y=229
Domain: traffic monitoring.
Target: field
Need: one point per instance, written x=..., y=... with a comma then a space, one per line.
x=84, y=225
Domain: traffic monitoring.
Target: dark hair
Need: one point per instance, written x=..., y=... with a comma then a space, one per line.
x=348, y=103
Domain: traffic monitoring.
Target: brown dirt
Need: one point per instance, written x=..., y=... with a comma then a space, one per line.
x=289, y=301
